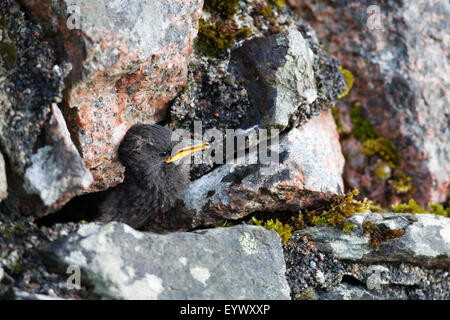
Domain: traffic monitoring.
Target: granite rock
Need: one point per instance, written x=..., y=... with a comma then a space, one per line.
x=128, y=60
x=279, y=76
x=241, y=262
x=43, y=166
x=425, y=240
x=308, y=169
x=398, y=54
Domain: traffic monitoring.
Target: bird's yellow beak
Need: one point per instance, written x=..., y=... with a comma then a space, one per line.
x=184, y=152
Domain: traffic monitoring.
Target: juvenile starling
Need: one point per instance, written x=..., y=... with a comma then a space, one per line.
x=154, y=183
x=153, y=187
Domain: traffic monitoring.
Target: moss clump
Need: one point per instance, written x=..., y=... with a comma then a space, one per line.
x=382, y=147
x=266, y=11
x=410, y=207
x=438, y=209
x=263, y=13
x=382, y=171
x=401, y=183
x=284, y=231
x=363, y=129
x=278, y=3
x=308, y=294
x=414, y=208
x=8, y=52
x=214, y=38
x=341, y=207
x=224, y=8
x=349, y=79
x=380, y=233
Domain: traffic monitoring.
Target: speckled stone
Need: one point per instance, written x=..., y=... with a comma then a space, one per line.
x=309, y=170
x=44, y=167
x=399, y=57
x=279, y=76
x=129, y=59
x=334, y=278
x=425, y=241
x=241, y=262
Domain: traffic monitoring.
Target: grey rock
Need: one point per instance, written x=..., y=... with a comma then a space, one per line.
x=335, y=278
x=347, y=291
x=308, y=169
x=279, y=73
x=3, y=181
x=42, y=159
x=425, y=241
x=56, y=167
x=241, y=262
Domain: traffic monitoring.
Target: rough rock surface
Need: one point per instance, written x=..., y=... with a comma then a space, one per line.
x=241, y=262
x=314, y=274
x=23, y=274
x=128, y=60
x=221, y=97
x=3, y=181
x=425, y=241
x=309, y=169
x=41, y=158
x=279, y=76
x=398, y=53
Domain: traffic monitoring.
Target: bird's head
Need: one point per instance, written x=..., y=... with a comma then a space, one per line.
x=149, y=153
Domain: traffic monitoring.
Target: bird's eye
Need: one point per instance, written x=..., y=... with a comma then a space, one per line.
x=163, y=154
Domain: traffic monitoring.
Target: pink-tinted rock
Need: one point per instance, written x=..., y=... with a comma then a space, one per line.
x=398, y=53
x=310, y=170
x=129, y=59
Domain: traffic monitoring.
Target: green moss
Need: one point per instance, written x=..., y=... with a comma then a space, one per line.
x=363, y=129
x=347, y=227
x=298, y=222
x=340, y=208
x=279, y=3
x=224, y=8
x=375, y=208
x=8, y=52
x=382, y=171
x=308, y=294
x=283, y=230
x=349, y=79
x=401, y=183
x=382, y=147
x=414, y=208
x=410, y=207
x=266, y=11
x=214, y=38
x=380, y=233
x=438, y=209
